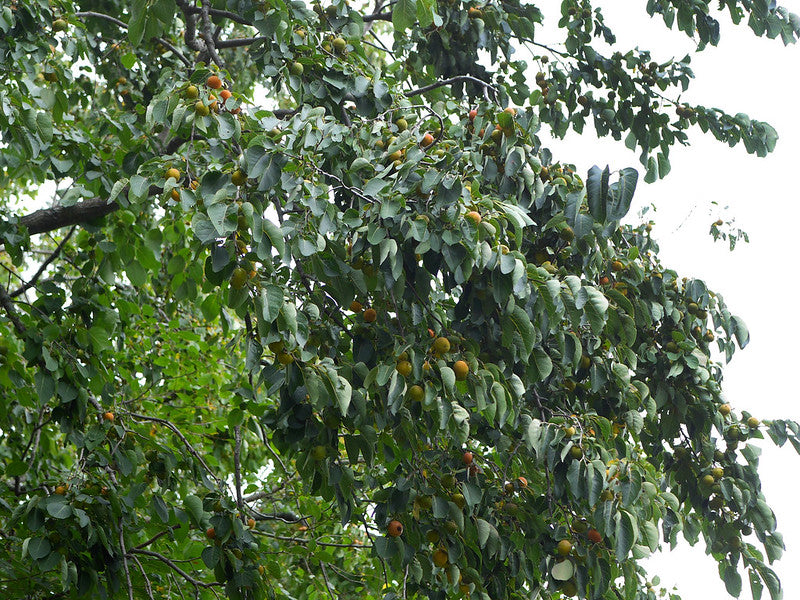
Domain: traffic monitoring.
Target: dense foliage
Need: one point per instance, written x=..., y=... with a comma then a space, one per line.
x=313, y=313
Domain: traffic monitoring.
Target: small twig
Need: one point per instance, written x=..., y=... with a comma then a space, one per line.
x=175, y=51
x=156, y=537
x=44, y=265
x=97, y=15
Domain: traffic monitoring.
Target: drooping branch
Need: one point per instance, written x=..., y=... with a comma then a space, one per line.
x=194, y=582
x=451, y=81
x=44, y=265
x=123, y=25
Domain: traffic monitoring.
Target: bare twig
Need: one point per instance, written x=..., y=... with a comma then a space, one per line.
x=237, y=468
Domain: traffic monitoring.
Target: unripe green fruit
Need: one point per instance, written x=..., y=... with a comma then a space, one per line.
x=192, y=92
x=238, y=278
x=296, y=68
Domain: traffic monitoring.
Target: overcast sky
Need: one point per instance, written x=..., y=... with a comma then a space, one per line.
x=759, y=280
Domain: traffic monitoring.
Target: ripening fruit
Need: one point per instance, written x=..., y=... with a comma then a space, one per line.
x=239, y=177
x=395, y=529
x=109, y=416
x=238, y=278
x=474, y=13
x=473, y=216
x=404, y=368
x=356, y=307
x=251, y=523
x=472, y=114
x=370, y=315
x=707, y=480
x=427, y=140
x=594, y=536
x=61, y=490
x=173, y=173
x=569, y=431
x=214, y=82
x=339, y=44
x=225, y=94
x=523, y=483
x=416, y=393
x=440, y=558
x=564, y=547
x=441, y=345
x=467, y=458
x=201, y=109
x=752, y=422
x=175, y=195
x=461, y=369
x=717, y=473
x=285, y=358
x=211, y=533
x=617, y=266
x=724, y=409
x=402, y=124
x=296, y=68
x=192, y=92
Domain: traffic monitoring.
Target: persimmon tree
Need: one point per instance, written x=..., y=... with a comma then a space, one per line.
x=295, y=304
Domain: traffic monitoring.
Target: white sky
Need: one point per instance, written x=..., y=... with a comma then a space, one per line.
x=759, y=280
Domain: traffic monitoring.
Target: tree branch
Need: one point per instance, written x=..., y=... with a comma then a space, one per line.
x=11, y=311
x=48, y=219
x=186, y=442
x=384, y=16
x=238, y=42
x=42, y=268
x=195, y=582
x=450, y=81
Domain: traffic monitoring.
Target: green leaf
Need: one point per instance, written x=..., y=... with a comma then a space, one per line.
x=404, y=15
x=136, y=21
x=38, y=548
x=597, y=192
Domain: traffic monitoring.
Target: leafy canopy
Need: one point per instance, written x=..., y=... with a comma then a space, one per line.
x=313, y=312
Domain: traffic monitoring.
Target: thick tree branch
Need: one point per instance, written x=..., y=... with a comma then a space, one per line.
x=49, y=219
x=225, y=14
